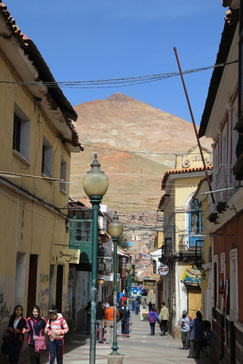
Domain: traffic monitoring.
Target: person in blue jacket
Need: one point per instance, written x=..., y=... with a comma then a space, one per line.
x=136, y=306
x=152, y=317
x=36, y=325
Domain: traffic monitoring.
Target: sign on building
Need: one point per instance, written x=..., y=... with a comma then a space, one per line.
x=163, y=270
x=71, y=256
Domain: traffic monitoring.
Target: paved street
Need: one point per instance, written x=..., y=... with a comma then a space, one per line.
x=139, y=348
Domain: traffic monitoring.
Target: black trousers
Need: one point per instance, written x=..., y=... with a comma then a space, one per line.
x=163, y=326
x=14, y=351
x=34, y=357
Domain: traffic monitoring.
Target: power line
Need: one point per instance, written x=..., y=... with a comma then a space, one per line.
x=138, y=152
x=115, y=82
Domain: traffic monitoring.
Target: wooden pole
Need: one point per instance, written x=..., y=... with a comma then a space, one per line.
x=194, y=126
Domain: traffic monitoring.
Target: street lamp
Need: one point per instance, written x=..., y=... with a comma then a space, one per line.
x=115, y=229
x=129, y=270
x=95, y=184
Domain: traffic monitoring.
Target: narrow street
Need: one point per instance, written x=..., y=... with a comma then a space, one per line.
x=139, y=348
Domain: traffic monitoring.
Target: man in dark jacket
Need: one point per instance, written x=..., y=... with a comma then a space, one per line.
x=125, y=320
x=197, y=336
x=100, y=315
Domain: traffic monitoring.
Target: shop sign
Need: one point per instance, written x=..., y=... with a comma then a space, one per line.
x=149, y=285
x=154, y=277
x=70, y=256
x=191, y=276
x=163, y=270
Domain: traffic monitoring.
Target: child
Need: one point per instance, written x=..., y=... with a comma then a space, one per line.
x=56, y=328
x=36, y=325
x=152, y=317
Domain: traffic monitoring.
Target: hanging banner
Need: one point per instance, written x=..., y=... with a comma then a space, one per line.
x=70, y=256
x=191, y=276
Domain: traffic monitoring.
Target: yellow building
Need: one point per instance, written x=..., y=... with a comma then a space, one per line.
x=183, y=238
x=37, y=138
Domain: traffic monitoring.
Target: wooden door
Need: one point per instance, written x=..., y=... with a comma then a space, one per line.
x=59, y=285
x=32, y=283
x=194, y=301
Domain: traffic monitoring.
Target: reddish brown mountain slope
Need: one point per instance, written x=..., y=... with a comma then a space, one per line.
x=135, y=143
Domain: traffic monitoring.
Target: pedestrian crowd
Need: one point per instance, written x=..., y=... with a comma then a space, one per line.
x=35, y=327
x=105, y=320
x=195, y=334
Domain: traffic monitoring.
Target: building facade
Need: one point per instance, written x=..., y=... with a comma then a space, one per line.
x=183, y=239
x=37, y=138
x=222, y=121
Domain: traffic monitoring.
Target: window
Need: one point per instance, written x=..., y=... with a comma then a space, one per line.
x=234, y=284
x=195, y=224
x=21, y=133
x=63, y=174
x=47, y=152
x=83, y=231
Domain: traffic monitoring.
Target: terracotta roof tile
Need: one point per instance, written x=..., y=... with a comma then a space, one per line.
x=180, y=171
x=45, y=74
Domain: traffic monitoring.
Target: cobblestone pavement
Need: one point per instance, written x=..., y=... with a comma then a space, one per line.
x=140, y=347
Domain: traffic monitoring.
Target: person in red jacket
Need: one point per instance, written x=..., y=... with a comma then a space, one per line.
x=16, y=327
x=36, y=325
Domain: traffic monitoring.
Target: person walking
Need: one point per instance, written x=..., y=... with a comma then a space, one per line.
x=196, y=336
x=152, y=317
x=150, y=305
x=144, y=303
x=88, y=311
x=136, y=306
x=109, y=315
x=184, y=323
x=100, y=315
x=36, y=326
x=125, y=320
x=164, y=317
x=16, y=327
x=119, y=319
x=56, y=328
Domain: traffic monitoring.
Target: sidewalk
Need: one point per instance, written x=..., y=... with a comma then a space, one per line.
x=140, y=347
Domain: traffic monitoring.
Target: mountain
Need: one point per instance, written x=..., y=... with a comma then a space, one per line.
x=135, y=143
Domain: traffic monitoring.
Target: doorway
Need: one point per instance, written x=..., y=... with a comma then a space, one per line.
x=59, y=285
x=33, y=266
x=20, y=279
x=194, y=301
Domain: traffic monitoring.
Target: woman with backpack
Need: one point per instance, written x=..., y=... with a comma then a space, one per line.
x=36, y=326
x=152, y=317
x=56, y=328
x=16, y=327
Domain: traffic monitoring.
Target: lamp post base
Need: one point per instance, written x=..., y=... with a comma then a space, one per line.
x=115, y=359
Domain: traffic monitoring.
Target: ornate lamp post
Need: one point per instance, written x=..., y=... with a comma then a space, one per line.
x=95, y=184
x=115, y=229
x=129, y=285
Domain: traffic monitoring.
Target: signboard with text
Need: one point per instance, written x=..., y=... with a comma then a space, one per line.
x=70, y=256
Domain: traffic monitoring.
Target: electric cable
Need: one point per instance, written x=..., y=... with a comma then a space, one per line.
x=115, y=82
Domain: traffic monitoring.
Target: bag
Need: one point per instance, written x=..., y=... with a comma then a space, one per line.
x=40, y=341
x=152, y=318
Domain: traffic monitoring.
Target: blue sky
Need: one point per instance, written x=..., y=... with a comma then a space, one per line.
x=94, y=39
